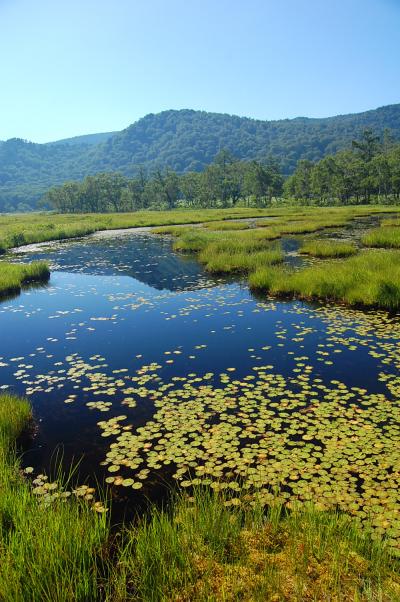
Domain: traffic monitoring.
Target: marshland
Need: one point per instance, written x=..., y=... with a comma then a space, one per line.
x=204, y=405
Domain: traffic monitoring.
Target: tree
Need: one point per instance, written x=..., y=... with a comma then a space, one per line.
x=368, y=146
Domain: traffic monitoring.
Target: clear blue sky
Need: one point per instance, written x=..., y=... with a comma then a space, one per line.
x=70, y=67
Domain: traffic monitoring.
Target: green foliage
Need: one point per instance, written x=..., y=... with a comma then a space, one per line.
x=220, y=185
x=18, y=230
x=209, y=545
x=370, y=170
x=183, y=141
x=15, y=413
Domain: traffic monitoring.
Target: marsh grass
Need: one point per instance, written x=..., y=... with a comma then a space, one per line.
x=364, y=280
x=13, y=276
x=215, y=547
x=22, y=229
x=371, y=279
x=203, y=546
x=385, y=237
x=18, y=230
x=240, y=260
x=391, y=221
x=326, y=248
x=227, y=225
x=47, y=553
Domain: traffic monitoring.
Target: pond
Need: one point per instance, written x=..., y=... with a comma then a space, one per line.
x=148, y=371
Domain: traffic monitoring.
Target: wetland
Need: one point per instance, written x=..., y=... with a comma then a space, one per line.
x=149, y=361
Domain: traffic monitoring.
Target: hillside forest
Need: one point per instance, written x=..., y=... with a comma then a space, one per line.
x=367, y=172
x=184, y=142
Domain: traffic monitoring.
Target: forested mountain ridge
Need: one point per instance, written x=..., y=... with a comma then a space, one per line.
x=184, y=140
x=85, y=139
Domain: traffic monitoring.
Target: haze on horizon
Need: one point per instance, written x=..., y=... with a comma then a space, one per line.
x=72, y=68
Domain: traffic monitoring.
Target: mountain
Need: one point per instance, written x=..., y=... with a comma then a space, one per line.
x=85, y=139
x=183, y=140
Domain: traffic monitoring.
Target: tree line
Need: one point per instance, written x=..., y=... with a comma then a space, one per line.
x=221, y=184
x=368, y=171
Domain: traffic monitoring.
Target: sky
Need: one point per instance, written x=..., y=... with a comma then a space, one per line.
x=71, y=67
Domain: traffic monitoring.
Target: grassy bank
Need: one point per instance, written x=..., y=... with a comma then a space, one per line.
x=203, y=546
x=371, y=279
x=13, y=276
x=18, y=230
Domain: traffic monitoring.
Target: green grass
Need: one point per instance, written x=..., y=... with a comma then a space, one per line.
x=13, y=276
x=227, y=225
x=47, y=553
x=326, y=248
x=371, y=279
x=200, y=549
x=365, y=280
x=203, y=546
x=386, y=237
x=17, y=230
x=228, y=251
x=218, y=260
x=391, y=221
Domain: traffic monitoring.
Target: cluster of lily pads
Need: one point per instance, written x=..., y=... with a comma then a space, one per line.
x=264, y=433
x=49, y=491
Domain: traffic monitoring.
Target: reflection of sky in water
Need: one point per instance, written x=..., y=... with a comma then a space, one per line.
x=130, y=300
x=146, y=258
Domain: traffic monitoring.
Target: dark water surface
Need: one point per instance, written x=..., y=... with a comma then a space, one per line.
x=123, y=306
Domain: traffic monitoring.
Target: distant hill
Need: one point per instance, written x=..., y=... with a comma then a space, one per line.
x=183, y=140
x=85, y=139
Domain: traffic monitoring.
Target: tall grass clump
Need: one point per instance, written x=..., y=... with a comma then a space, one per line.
x=229, y=251
x=13, y=276
x=48, y=553
x=212, y=546
x=326, y=248
x=227, y=225
x=371, y=279
x=386, y=237
x=240, y=260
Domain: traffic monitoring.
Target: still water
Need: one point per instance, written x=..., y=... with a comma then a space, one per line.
x=144, y=368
